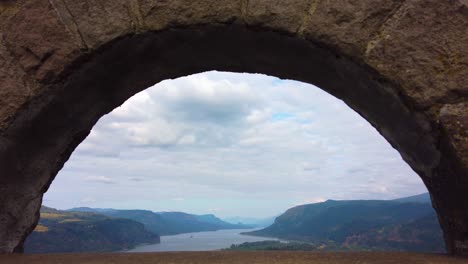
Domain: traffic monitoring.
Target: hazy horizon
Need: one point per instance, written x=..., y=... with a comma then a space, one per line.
x=197, y=213
x=233, y=145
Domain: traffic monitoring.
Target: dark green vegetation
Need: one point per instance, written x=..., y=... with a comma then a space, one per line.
x=168, y=223
x=403, y=224
x=273, y=245
x=63, y=231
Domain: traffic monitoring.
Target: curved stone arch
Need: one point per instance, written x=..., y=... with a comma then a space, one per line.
x=64, y=63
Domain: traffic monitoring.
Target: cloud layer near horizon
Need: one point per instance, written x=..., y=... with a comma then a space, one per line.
x=231, y=144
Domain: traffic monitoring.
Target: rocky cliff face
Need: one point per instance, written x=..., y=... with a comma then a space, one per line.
x=63, y=64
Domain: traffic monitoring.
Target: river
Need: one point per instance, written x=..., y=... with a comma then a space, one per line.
x=201, y=241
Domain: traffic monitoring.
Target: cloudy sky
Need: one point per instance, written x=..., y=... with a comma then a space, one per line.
x=233, y=145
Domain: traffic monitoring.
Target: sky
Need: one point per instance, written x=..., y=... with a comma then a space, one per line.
x=230, y=144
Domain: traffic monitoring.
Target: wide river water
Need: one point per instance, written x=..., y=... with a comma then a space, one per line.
x=201, y=241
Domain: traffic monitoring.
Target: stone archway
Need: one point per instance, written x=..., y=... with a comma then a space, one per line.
x=64, y=63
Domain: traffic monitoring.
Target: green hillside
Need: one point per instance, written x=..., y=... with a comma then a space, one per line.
x=63, y=231
x=422, y=234
x=360, y=224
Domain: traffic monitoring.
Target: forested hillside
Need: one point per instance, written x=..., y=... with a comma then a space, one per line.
x=63, y=231
x=403, y=224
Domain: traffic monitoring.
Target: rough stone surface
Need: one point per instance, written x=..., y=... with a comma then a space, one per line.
x=454, y=120
x=423, y=46
x=348, y=25
x=16, y=88
x=96, y=22
x=39, y=40
x=287, y=16
x=401, y=64
x=159, y=15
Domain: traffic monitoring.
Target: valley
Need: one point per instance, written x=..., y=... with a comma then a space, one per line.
x=406, y=224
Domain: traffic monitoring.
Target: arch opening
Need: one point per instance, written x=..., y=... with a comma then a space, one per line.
x=45, y=133
x=230, y=144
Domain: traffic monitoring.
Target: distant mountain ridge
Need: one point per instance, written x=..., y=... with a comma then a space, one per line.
x=408, y=223
x=420, y=198
x=254, y=222
x=167, y=223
